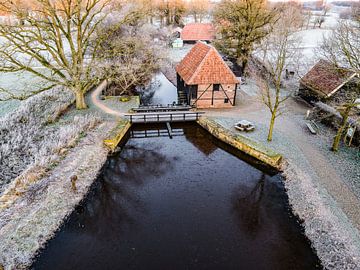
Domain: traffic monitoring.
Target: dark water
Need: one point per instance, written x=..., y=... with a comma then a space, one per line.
x=160, y=92
x=181, y=203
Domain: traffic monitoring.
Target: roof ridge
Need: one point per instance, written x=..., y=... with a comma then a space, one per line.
x=201, y=63
x=223, y=62
x=211, y=48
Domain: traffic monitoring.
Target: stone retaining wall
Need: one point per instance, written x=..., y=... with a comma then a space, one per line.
x=242, y=143
x=117, y=134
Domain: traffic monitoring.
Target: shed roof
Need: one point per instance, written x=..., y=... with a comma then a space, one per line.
x=325, y=79
x=204, y=65
x=198, y=32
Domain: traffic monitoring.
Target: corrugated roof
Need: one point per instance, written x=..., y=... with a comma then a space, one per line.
x=204, y=65
x=198, y=32
x=325, y=79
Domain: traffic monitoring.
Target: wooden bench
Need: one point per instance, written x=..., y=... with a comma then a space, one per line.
x=311, y=128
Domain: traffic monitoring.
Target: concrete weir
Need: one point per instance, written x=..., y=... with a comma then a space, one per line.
x=242, y=143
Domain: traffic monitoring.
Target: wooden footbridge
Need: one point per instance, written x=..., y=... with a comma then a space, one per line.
x=163, y=117
x=163, y=114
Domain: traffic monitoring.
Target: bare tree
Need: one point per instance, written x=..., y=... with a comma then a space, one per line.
x=171, y=10
x=56, y=36
x=242, y=24
x=126, y=57
x=308, y=16
x=199, y=9
x=281, y=54
x=342, y=49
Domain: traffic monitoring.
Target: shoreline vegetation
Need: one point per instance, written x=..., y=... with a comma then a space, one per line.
x=27, y=226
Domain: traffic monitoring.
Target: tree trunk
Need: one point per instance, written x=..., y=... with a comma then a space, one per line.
x=271, y=128
x=80, y=100
x=337, y=139
x=243, y=67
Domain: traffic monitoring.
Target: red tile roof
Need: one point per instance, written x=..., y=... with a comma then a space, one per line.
x=198, y=32
x=204, y=65
x=325, y=79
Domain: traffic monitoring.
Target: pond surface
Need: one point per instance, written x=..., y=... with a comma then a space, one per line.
x=181, y=203
x=160, y=92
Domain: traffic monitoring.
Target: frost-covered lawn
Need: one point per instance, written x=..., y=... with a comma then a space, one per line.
x=312, y=39
x=17, y=83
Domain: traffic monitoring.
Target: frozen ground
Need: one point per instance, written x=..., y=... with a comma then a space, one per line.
x=32, y=206
x=18, y=83
x=27, y=224
x=312, y=39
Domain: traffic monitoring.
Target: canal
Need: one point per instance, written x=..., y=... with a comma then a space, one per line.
x=160, y=92
x=183, y=203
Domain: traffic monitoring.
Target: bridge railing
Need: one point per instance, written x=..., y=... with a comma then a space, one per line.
x=161, y=108
x=163, y=117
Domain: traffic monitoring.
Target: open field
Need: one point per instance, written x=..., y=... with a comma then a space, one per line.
x=17, y=83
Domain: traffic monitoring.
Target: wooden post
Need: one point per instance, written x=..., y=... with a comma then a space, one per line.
x=169, y=129
x=234, y=102
x=73, y=180
x=212, y=96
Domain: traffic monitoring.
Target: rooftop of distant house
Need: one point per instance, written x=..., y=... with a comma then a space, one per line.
x=204, y=65
x=326, y=79
x=198, y=31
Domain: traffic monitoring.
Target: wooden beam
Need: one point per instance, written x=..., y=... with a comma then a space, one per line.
x=226, y=95
x=169, y=129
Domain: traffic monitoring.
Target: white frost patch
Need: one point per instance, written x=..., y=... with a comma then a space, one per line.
x=34, y=218
x=335, y=240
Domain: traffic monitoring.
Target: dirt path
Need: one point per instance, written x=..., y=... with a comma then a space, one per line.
x=95, y=100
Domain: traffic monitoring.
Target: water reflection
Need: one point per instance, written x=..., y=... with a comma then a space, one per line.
x=160, y=92
x=246, y=204
x=200, y=139
x=116, y=198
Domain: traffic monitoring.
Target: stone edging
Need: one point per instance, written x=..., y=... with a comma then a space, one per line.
x=117, y=134
x=244, y=144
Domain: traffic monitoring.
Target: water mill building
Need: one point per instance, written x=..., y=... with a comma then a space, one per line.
x=204, y=80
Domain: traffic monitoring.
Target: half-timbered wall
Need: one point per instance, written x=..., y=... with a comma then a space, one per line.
x=207, y=97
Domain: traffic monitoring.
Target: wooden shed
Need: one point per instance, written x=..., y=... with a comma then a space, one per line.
x=204, y=80
x=194, y=32
x=324, y=81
